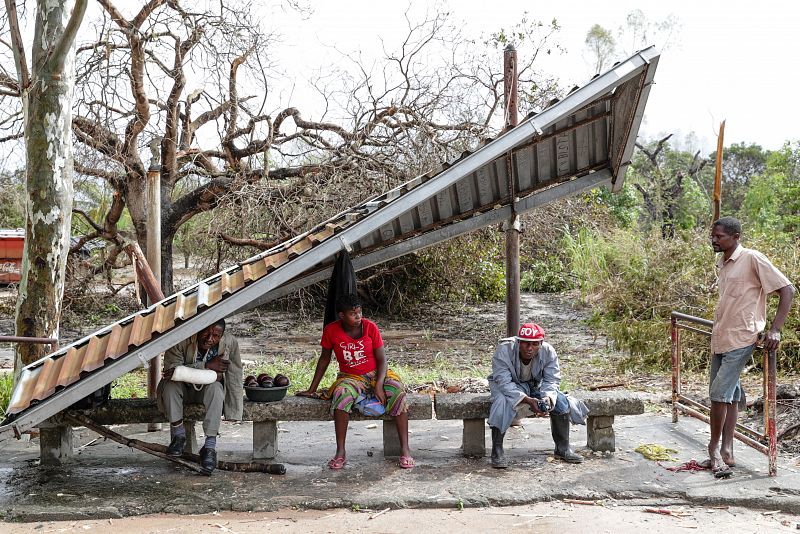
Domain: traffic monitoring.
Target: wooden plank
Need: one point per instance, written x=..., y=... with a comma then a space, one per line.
x=74, y=361
x=96, y=352
x=165, y=317
x=119, y=340
x=142, y=329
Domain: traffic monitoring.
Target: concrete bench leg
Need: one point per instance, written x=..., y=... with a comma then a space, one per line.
x=391, y=443
x=473, y=441
x=191, y=436
x=600, y=433
x=265, y=439
x=55, y=444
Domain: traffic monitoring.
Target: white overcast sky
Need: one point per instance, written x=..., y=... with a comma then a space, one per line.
x=732, y=60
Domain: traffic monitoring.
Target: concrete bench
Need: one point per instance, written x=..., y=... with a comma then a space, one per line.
x=473, y=408
x=55, y=438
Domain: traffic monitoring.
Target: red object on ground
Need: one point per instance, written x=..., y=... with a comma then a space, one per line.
x=691, y=465
x=12, y=243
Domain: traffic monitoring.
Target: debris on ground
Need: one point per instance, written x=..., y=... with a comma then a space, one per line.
x=656, y=452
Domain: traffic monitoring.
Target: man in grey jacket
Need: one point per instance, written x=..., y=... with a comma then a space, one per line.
x=213, y=349
x=526, y=375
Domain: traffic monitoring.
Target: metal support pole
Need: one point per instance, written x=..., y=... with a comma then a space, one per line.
x=676, y=369
x=513, y=225
x=154, y=260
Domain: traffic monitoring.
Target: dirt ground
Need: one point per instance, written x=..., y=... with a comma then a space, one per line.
x=540, y=517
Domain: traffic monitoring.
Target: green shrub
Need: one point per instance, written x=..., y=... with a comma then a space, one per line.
x=634, y=281
x=6, y=386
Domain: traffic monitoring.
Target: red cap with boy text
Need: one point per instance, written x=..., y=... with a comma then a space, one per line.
x=530, y=332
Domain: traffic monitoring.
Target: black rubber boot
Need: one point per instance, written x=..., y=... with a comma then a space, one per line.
x=176, y=446
x=208, y=459
x=559, y=427
x=498, y=455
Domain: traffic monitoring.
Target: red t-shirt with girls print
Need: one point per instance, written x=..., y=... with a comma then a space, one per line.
x=355, y=356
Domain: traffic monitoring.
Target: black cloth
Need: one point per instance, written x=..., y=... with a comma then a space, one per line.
x=342, y=282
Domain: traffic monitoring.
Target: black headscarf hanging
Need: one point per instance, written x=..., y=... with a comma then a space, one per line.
x=342, y=282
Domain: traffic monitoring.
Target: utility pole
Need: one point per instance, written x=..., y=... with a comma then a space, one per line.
x=512, y=225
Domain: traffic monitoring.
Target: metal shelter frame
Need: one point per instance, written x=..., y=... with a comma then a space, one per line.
x=691, y=407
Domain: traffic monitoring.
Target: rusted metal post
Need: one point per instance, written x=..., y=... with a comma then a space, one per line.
x=513, y=224
x=676, y=370
x=771, y=410
x=154, y=258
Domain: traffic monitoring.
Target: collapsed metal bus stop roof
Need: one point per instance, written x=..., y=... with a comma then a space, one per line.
x=582, y=141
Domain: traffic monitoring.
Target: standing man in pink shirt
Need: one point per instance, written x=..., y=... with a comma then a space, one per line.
x=745, y=278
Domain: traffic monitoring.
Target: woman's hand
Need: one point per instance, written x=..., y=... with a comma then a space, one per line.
x=380, y=393
x=311, y=393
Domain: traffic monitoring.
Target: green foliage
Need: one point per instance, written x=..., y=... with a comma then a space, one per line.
x=633, y=281
x=12, y=201
x=546, y=275
x=132, y=385
x=6, y=386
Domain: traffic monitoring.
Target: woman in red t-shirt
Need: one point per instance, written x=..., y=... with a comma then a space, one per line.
x=358, y=347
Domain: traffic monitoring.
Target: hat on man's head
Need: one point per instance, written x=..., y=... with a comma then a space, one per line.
x=530, y=332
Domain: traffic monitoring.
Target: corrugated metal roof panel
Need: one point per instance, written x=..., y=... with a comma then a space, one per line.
x=581, y=141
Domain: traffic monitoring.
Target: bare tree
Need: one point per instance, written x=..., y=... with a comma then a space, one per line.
x=47, y=93
x=197, y=82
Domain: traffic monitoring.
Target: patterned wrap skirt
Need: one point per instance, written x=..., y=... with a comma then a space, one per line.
x=347, y=388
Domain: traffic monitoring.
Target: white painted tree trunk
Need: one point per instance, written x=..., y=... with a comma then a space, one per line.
x=48, y=116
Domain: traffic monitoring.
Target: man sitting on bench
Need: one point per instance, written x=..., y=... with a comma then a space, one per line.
x=209, y=350
x=526, y=375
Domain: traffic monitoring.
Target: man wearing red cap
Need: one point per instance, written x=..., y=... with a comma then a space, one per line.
x=526, y=374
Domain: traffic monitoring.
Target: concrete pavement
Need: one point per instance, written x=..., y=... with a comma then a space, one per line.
x=107, y=480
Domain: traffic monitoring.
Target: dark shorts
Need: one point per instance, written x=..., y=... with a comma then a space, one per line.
x=724, y=383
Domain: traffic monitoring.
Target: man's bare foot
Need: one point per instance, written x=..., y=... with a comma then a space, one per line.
x=727, y=457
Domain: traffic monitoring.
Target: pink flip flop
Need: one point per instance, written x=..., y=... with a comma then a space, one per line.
x=407, y=462
x=336, y=463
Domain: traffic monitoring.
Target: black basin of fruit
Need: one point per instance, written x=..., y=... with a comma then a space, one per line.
x=260, y=394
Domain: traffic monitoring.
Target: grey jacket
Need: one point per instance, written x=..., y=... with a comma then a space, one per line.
x=185, y=353
x=507, y=389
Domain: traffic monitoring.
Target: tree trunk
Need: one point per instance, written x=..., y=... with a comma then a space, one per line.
x=48, y=118
x=167, y=282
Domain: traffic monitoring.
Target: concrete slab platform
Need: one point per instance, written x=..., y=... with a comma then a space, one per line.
x=107, y=480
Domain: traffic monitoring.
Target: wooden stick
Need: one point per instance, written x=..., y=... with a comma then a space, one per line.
x=579, y=501
x=192, y=461
x=82, y=420
x=607, y=386
x=379, y=513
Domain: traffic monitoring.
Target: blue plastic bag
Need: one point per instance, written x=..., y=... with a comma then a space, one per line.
x=369, y=406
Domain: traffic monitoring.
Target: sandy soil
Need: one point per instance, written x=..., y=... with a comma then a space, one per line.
x=542, y=517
